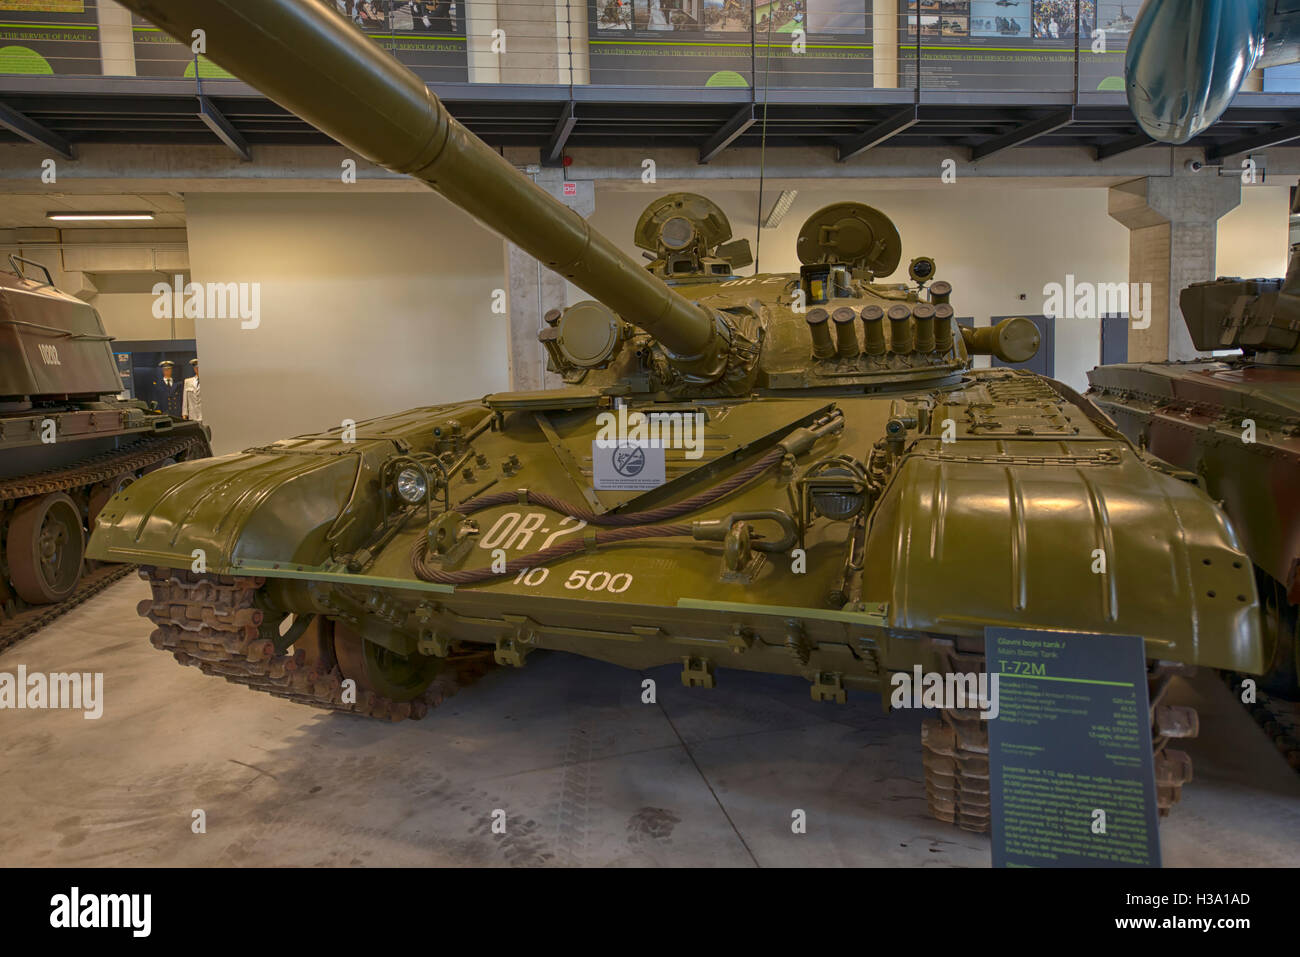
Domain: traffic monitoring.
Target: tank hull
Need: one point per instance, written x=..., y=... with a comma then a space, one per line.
x=1235, y=427
x=981, y=531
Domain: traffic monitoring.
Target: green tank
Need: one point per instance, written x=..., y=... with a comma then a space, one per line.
x=67, y=445
x=844, y=497
x=1232, y=424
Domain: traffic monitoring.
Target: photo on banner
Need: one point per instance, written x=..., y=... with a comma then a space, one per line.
x=730, y=43
x=49, y=38
x=993, y=45
x=428, y=36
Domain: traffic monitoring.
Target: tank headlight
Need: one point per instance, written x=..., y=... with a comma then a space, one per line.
x=411, y=486
x=838, y=504
x=837, y=488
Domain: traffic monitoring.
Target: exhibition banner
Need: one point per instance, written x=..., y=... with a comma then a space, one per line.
x=49, y=37
x=1101, y=60
x=730, y=43
x=1009, y=45
x=1071, y=773
x=428, y=37
x=157, y=54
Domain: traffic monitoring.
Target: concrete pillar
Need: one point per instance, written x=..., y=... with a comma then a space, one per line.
x=480, y=21
x=1173, y=223
x=884, y=43
x=540, y=45
x=534, y=289
x=116, y=40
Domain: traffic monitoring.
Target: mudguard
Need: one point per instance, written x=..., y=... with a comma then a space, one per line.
x=1005, y=534
x=300, y=500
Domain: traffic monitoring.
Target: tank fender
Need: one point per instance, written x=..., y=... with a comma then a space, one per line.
x=1094, y=542
x=259, y=506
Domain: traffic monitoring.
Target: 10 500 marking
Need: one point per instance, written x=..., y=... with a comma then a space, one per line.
x=579, y=579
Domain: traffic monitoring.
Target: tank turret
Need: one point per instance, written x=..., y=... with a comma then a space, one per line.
x=1259, y=316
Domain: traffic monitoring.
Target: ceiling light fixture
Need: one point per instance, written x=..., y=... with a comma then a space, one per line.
x=780, y=208
x=99, y=217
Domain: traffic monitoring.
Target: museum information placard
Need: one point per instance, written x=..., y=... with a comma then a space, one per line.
x=1071, y=775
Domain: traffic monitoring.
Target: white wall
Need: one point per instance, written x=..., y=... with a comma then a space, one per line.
x=993, y=242
x=129, y=315
x=370, y=304
x=122, y=299
x=1253, y=237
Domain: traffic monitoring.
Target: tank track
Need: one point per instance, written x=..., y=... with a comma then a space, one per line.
x=35, y=617
x=104, y=466
x=212, y=623
x=955, y=753
x=1276, y=717
x=28, y=620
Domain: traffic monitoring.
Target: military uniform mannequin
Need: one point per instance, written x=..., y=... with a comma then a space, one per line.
x=192, y=406
x=167, y=390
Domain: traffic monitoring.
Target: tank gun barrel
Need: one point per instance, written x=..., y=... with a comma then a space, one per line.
x=1011, y=340
x=313, y=62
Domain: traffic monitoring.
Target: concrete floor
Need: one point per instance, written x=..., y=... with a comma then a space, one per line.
x=586, y=774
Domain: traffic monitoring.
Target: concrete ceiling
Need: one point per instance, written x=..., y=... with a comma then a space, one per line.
x=28, y=209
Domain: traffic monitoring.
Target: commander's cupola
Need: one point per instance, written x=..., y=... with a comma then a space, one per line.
x=686, y=237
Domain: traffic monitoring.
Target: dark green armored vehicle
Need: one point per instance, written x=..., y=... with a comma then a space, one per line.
x=842, y=496
x=67, y=444
x=1233, y=425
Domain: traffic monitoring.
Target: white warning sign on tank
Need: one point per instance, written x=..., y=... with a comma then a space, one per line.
x=628, y=466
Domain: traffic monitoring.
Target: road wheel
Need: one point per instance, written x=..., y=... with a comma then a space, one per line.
x=101, y=493
x=386, y=673
x=45, y=547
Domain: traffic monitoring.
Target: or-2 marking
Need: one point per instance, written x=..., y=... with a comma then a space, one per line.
x=513, y=531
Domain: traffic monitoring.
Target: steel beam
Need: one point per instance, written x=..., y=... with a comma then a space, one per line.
x=216, y=121
x=728, y=133
x=33, y=132
x=875, y=135
x=1260, y=141
x=1115, y=148
x=1022, y=134
x=553, y=151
